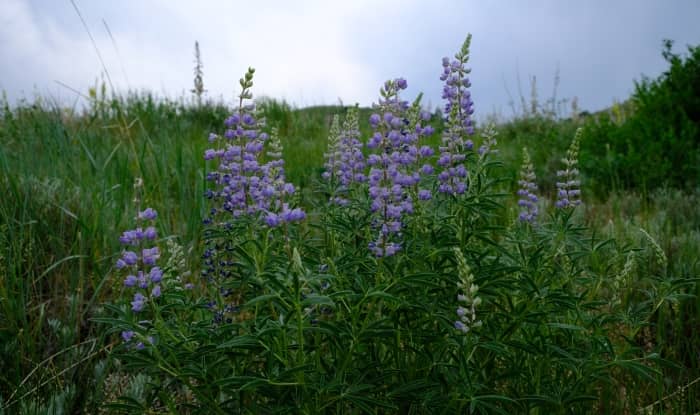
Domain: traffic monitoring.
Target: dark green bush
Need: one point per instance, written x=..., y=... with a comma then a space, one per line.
x=659, y=143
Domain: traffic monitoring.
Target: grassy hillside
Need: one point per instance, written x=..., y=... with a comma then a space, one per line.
x=66, y=180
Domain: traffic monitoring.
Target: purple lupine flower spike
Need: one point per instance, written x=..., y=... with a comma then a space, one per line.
x=394, y=174
x=141, y=260
x=459, y=107
x=345, y=162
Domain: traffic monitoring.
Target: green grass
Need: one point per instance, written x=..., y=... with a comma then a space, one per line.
x=66, y=180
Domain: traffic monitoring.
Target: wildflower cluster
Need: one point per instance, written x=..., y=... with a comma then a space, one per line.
x=278, y=306
x=243, y=183
x=468, y=299
x=528, y=198
x=569, y=186
x=459, y=108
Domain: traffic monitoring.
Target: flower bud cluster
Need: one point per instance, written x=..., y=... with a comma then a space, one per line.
x=332, y=156
x=468, y=300
x=488, y=145
x=622, y=279
x=569, y=186
x=528, y=199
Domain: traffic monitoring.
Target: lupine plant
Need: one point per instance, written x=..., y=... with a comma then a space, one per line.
x=410, y=289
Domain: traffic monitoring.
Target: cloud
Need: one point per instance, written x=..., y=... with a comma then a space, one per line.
x=314, y=52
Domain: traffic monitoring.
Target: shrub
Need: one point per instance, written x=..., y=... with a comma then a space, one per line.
x=659, y=142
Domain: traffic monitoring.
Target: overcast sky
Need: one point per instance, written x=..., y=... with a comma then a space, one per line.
x=320, y=52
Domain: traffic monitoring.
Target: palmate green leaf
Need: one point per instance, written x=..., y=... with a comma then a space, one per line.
x=369, y=405
x=126, y=403
x=408, y=389
x=246, y=342
x=110, y=321
x=276, y=282
x=338, y=329
x=288, y=373
x=262, y=299
x=124, y=407
x=388, y=298
x=382, y=327
x=526, y=347
x=359, y=396
x=424, y=280
x=343, y=294
x=580, y=399
x=318, y=300
x=558, y=351
x=240, y=382
x=493, y=346
x=321, y=329
x=639, y=369
x=490, y=402
x=566, y=326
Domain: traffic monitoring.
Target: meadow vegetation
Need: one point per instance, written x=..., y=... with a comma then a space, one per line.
x=162, y=256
